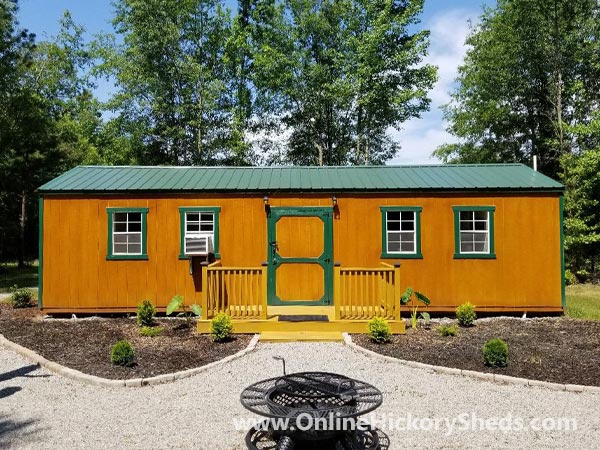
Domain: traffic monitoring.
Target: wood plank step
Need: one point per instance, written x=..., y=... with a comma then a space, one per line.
x=301, y=336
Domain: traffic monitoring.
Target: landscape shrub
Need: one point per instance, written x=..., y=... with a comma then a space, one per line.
x=122, y=354
x=150, y=331
x=221, y=327
x=570, y=278
x=145, y=313
x=447, y=330
x=465, y=314
x=495, y=353
x=379, y=330
x=21, y=297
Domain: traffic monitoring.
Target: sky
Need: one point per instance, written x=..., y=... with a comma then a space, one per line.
x=448, y=21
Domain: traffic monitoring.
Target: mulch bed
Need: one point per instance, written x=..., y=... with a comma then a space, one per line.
x=85, y=345
x=559, y=350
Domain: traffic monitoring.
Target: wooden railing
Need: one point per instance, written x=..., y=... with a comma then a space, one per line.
x=240, y=292
x=363, y=293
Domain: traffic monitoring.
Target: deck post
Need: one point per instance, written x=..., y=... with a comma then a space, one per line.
x=204, y=297
x=337, y=284
x=397, y=292
x=264, y=296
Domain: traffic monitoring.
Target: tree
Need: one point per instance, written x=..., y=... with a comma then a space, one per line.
x=47, y=120
x=531, y=73
x=176, y=97
x=60, y=73
x=337, y=74
x=581, y=175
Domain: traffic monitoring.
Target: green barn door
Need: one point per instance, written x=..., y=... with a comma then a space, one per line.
x=300, y=256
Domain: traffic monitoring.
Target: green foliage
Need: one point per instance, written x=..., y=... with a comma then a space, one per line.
x=447, y=330
x=530, y=74
x=175, y=81
x=426, y=319
x=221, y=327
x=495, y=353
x=145, y=313
x=177, y=303
x=581, y=175
x=147, y=331
x=570, y=278
x=465, y=314
x=122, y=354
x=379, y=330
x=21, y=297
x=410, y=298
x=338, y=74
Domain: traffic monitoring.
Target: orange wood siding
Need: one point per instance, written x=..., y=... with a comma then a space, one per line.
x=525, y=273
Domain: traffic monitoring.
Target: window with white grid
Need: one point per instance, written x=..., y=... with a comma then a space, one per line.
x=127, y=233
x=199, y=223
x=401, y=230
x=474, y=232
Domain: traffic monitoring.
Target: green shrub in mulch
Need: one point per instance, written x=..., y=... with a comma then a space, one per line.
x=495, y=353
x=379, y=330
x=122, y=354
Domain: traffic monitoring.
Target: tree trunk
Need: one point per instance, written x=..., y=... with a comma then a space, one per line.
x=22, y=223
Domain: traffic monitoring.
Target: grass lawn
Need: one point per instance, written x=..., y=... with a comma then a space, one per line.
x=10, y=275
x=583, y=301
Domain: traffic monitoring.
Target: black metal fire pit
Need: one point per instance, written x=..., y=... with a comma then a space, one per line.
x=316, y=410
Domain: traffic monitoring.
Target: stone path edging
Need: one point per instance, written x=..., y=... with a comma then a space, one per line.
x=504, y=379
x=134, y=382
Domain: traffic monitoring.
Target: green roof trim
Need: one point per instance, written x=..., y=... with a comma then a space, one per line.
x=148, y=179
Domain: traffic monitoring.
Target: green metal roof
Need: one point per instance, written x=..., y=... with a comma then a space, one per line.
x=139, y=179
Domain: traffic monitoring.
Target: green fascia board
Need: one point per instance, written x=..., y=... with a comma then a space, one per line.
x=563, y=281
x=422, y=178
x=41, y=250
x=216, y=210
x=109, y=248
x=384, y=254
x=457, y=253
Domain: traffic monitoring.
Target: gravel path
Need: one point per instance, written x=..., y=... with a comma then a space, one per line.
x=40, y=410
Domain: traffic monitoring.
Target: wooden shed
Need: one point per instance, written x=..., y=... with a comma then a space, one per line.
x=263, y=242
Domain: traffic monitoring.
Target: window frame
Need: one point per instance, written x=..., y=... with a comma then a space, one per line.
x=215, y=210
x=385, y=254
x=491, y=254
x=144, y=215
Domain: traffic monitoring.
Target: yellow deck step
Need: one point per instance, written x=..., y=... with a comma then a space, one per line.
x=241, y=326
x=306, y=336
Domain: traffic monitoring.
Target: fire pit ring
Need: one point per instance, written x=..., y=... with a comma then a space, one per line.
x=316, y=410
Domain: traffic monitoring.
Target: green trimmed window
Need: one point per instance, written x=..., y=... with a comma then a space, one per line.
x=401, y=232
x=474, y=231
x=127, y=233
x=199, y=231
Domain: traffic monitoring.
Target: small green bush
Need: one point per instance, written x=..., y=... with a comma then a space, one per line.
x=221, y=327
x=145, y=313
x=122, y=354
x=447, y=330
x=570, y=278
x=379, y=330
x=465, y=314
x=21, y=297
x=495, y=353
x=150, y=331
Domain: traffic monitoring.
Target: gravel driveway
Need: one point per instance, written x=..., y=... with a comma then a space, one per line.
x=40, y=410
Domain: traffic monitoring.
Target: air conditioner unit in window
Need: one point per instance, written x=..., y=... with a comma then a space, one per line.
x=198, y=245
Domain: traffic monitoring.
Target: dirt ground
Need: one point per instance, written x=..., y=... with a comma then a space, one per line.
x=560, y=350
x=85, y=345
